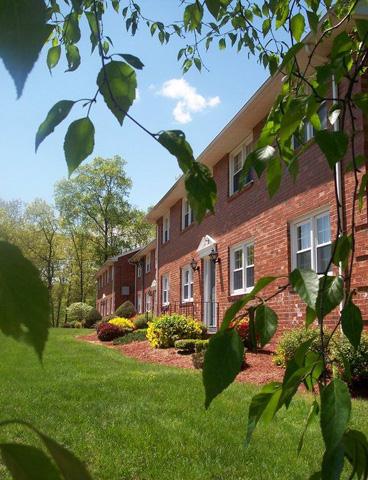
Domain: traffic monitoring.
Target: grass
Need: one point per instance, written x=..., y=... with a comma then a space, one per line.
x=129, y=420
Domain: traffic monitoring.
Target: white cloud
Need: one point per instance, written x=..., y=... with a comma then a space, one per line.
x=188, y=100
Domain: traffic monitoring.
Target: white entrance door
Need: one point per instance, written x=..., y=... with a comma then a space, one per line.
x=209, y=290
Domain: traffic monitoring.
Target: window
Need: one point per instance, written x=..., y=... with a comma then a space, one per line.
x=148, y=306
x=166, y=228
x=307, y=131
x=187, y=284
x=165, y=289
x=139, y=302
x=312, y=243
x=139, y=270
x=187, y=214
x=237, y=159
x=148, y=262
x=242, y=268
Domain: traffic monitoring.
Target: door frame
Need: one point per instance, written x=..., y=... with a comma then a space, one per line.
x=207, y=264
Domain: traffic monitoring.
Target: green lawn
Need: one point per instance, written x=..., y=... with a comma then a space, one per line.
x=129, y=420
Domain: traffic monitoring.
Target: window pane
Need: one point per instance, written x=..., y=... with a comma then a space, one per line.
x=303, y=260
x=323, y=258
x=191, y=290
x=237, y=163
x=236, y=182
x=304, y=236
x=186, y=292
x=250, y=254
x=238, y=259
x=323, y=229
x=250, y=277
x=238, y=280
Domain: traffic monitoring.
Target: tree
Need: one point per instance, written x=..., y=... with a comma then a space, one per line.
x=272, y=31
x=94, y=202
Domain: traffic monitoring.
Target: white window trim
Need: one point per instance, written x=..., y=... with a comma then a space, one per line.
x=164, y=229
x=243, y=148
x=163, y=278
x=148, y=302
x=139, y=302
x=311, y=217
x=148, y=262
x=184, y=203
x=185, y=269
x=240, y=246
x=139, y=270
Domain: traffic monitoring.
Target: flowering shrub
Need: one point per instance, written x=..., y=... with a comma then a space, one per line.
x=165, y=330
x=107, y=331
x=242, y=327
x=122, y=323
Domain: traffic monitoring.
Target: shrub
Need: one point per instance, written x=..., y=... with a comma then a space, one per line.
x=92, y=318
x=242, y=327
x=165, y=330
x=291, y=340
x=198, y=355
x=136, y=336
x=78, y=312
x=201, y=345
x=357, y=359
x=74, y=324
x=190, y=345
x=126, y=310
x=141, y=321
x=122, y=323
x=107, y=332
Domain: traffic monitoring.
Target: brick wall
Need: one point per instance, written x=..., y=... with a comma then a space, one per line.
x=143, y=284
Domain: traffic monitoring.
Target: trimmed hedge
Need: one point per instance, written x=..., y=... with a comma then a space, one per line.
x=165, y=330
x=136, y=336
x=191, y=345
x=92, y=318
x=357, y=359
x=126, y=310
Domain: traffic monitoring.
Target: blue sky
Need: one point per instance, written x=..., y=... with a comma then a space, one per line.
x=209, y=98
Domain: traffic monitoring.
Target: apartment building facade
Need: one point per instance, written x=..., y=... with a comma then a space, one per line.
x=144, y=261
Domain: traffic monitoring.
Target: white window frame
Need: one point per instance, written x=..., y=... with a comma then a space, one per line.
x=148, y=262
x=139, y=302
x=148, y=302
x=245, y=266
x=186, y=209
x=165, y=287
x=166, y=228
x=243, y=150
x=312, y=220
x=184, y=270
x=139, y=270
x=309, y=129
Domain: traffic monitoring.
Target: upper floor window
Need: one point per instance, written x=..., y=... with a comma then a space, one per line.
x=187, y=284
x=148, y=262
x=307, y=131
x=139, y=302
x=148, y=301
x=166, y=228
x=311, y=243
x=139, y=270
x=187, y=214
x=242, y=268
x=236, y=163
x=165, y=289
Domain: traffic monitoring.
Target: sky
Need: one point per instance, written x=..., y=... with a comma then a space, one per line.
x=200, y=104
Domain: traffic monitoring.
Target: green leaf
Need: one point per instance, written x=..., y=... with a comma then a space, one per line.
x=193, y=14
x=53, y=56
x=71, y=30
x=335, y=412
x=310, y=316
x=23, y=33
x=342, y=45
x=290, y=54
x=306, y=284
x=55, y=116
x=223, y=360
x=264, y=403
x=239, y=304
x=79, y=142
x=313, y=20
x=356, y=451
x=25, y=462
x=213, y=7
x=361, y=101
x=342, y=250
x=265, y=324
x=297, y=25
x=174, y=141
x=117, y=83
x=201, y=190
x=274, y=175
x=333, y=463
x=132, y=60
x=24, y=305
x=91, y=17
x=362, y=190
x=352, y=323
x=333, y=145
x=313, y=413
x=292, y=118
x=73, y=57
x=330, y=294
x=258, y=159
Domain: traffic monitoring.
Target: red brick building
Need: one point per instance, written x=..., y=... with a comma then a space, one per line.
x=115, y=283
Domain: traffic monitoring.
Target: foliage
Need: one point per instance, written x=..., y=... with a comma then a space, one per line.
x=135, y=336
x=126, y=310
x=165, y=330
x=352, y=363
x=186, y=345
x=122, y=322
x=290, y=342
x=92, y=318
x=73, y=324
x=107, y=331
x=141, y=321
x=78, y=311
x=242, y=328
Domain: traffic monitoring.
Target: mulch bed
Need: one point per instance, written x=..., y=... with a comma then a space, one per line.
x=259, y=370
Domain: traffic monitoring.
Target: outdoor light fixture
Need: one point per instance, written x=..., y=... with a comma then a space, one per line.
x=214, y=256
x=194, y=265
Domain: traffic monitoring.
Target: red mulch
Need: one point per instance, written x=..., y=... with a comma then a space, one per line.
x=259, y=370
